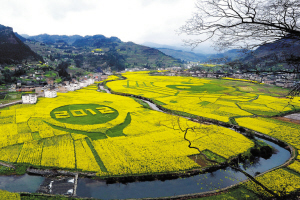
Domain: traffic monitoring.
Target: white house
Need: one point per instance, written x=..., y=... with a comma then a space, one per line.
x=75, y=86
x=90, y=81
x=29, y=98
x=83, y=84
x=50, y=94
x=70, y=88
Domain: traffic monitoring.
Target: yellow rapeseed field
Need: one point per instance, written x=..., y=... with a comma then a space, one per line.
x=150, y=141
x=128, y=139
x=218, y=100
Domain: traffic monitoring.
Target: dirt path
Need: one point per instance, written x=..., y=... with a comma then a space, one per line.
x=7, y=165
x=288, y=120
x=9, y=104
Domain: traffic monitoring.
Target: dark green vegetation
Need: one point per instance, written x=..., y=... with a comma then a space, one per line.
x=237, y=88
x=92, y=135
x=13, y=50
x=237, y=193
x=96, y=53
x=6, y=170
x=145, y=105
x=96, y=155
x=279, y=56
x=84, y=114
x=118, y=130
x=213, y=156
x=25, y=196
x=19, y=169
x=9, y=97
x=209, y=88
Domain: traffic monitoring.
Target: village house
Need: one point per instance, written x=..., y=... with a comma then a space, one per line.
x=83, y=84
x=50, y=81
x=50, y=94
x=103, y=77
x=70, y=88
x=62, y=89
x=29, y=98
x=75, y=86
x=39, y=90
x=19, y=83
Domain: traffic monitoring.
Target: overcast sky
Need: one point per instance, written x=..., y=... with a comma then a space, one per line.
x=139, y=21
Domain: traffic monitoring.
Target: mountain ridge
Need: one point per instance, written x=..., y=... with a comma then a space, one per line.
x=13, y=50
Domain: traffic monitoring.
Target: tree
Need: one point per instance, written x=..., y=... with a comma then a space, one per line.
x=244, y=24
x=248, y=24
x=62, y=70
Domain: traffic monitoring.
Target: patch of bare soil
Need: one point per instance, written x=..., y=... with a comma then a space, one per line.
x=200, y=160
x=288, y=120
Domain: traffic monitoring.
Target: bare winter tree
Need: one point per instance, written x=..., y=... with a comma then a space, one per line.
x=244, y=24
x=247, y=24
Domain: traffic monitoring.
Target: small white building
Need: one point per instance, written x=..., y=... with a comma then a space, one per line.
x=50, y=94
x=70, y=88
x=90, y=81
x=75, y=86
x=29, y=98
x=83, y=84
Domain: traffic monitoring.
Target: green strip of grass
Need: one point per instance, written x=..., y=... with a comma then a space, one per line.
x=26, y=196
x=158, y=102
x=233, y=194
x=145, y=105
x=92, y=135
x=96, y=155
x=204, y=103
x=36, y=135
x=213, y=156
x=117, y=131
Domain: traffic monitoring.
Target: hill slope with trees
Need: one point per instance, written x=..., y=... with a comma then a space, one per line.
x=13, y=50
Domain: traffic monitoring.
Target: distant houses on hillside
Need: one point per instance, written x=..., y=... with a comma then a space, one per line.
x=49, y=91
x=286, y=80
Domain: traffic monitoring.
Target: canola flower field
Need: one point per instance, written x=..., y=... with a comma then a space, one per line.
x=108, y=134
x=235, y=101
x=113, y=135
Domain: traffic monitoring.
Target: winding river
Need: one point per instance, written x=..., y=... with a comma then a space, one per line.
x=152, y=189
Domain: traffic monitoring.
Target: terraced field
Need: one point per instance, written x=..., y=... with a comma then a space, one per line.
x=108, y=134
x=232, y=101
x=114, y=135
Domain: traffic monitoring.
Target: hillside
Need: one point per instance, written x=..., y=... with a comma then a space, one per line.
x=12, y=49
x=198, y=57
x=275, y=56
x=94, y=52
x=184, y=55
x=51, y=39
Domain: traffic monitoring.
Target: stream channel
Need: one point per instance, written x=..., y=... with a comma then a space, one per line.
x=221, y=178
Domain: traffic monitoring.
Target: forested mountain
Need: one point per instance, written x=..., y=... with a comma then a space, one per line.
x=13, y=50
x=198, y=57
x=98, y=51
x=51, y=39
x=281, y=55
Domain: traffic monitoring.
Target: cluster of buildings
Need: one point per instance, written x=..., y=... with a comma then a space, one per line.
x=49, y=91
x=286, y=80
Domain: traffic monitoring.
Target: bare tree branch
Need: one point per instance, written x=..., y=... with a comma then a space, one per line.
x=243, y=23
